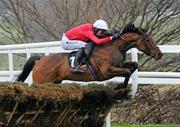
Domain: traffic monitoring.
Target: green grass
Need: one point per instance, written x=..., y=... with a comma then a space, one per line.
x=147, y=125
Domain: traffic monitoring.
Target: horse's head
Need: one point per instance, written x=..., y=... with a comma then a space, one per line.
x=140, y=39
x=147, y=45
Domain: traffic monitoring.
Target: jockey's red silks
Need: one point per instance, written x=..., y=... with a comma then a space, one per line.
x=85, y=32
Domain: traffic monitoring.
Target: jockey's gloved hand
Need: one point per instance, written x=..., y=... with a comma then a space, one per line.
x=115, y=36
x=108, y=33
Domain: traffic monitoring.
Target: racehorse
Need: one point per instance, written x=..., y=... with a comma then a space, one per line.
x=108, y=60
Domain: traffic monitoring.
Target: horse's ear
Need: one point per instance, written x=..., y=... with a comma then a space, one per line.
x=142, y=30
x=131, y=25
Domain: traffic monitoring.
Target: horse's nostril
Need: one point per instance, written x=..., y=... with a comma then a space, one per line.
x=159, y=55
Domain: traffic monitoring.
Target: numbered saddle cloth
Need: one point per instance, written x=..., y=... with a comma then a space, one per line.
x=71, y=59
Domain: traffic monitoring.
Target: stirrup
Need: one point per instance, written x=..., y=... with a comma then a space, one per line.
x=77, y=69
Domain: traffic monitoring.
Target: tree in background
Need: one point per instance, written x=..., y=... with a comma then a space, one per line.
x=25, y=21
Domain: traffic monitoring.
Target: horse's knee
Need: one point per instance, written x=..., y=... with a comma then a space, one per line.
x=135, y=65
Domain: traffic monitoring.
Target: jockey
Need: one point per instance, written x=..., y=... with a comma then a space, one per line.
x=79, y=36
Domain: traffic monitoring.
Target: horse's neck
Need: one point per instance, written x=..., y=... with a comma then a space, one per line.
x=125, y=42
x=124, y=48
x=109, y=53
x=112, y=47
x=114, y=52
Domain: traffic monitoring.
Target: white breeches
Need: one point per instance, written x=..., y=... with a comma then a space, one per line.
x=71, y=44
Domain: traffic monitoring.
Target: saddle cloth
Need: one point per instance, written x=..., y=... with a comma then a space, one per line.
x=71, y=59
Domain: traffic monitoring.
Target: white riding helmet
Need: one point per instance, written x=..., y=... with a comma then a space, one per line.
x=100, y=24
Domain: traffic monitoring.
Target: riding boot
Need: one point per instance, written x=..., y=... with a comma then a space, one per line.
x=89, y=48
x=77, y=61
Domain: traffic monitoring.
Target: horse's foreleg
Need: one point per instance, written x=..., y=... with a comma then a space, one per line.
x=132, y=66
x=118, y=71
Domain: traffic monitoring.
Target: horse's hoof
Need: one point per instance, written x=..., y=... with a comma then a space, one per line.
x=123, y=102
x=122, y=94
x=119, y=101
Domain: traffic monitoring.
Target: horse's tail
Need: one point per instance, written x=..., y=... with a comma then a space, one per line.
x=27, y=68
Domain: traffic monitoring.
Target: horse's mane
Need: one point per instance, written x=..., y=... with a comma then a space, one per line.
x=130, y=27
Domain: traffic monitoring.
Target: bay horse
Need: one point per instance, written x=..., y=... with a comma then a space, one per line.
x=108, y=60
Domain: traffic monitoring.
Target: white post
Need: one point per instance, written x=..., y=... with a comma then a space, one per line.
x=29, y=78
x=28, y=54
x=134, y=87
x=10, y=57
x=108, y=120
x=46, y=51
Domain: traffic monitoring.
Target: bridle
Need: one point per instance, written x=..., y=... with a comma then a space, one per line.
x=143, y=36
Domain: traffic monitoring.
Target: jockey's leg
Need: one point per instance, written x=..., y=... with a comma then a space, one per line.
x=71, y=44
x=77, y=61
x=89, y=48
x=80, y=55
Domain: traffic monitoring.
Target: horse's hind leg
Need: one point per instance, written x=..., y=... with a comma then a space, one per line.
x=132, y=66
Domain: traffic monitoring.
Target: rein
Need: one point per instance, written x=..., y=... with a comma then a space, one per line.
x=117, y=39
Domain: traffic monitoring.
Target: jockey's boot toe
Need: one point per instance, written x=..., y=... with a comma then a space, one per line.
x=77, y=69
